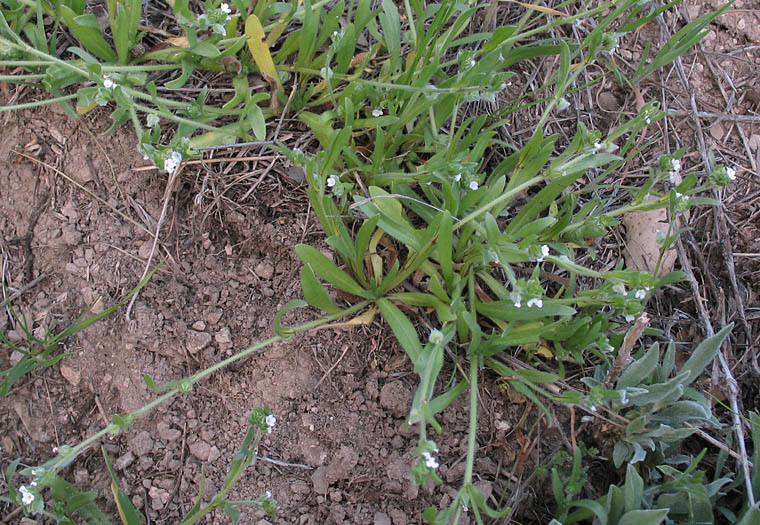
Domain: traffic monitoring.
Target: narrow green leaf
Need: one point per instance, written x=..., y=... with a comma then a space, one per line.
x=127, y=512
x=86, y=29
x=704, y=353
x=445, y=241
x=403, y=330
x=644, y=517
x=633, y=490
x=640, y=369
x=314, y=292
x=257, y=122
x=329, y=271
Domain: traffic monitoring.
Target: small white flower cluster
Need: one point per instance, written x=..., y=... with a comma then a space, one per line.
x=473, y=184
x=675, y=166
x=544, y=253
x=172, y=163
x=27, y=497
x=225, y=8
x=535, y=301
x=517, y=298
x=270, y=420
x=430, y=459
x=377, y=112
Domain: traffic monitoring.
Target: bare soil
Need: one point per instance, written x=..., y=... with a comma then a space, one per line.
x=340, y=452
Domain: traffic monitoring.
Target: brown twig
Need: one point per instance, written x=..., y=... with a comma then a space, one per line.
x=624, y=354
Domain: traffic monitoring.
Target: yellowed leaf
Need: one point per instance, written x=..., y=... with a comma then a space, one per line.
x=363, y=319
x=83, y=110
x=547, y=10
x=260, y=52
x=545, y=351
x=177, y=41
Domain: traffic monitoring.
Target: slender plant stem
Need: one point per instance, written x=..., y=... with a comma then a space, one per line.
x=45, y=102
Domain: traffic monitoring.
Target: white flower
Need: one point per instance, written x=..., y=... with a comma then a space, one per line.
x=26, y=497
x=430, y=461
x=518, y=300
x=629, y=318
x=472, y=63
x=648, y=120
x=641, y=294
x=535, y=302
x=377, y=112
x=597, y=146
x=332, y=180
x=731, y=173
x=172, y=163
x=544, y=253
x=435, y=337
x=108, y=83
x=268, y=494
x=457, y=177
x=675, y=165
x=473, y=185
x=225, y=8
x=270, y=420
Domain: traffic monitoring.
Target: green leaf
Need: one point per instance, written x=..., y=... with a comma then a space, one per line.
x=633, y=490
x=403, y=330
x=257, y=122
x=445, y=241
x=752, y=517
x=205, y=49
x=86, y=29
x=640, y=369
x=439, y=403
x=643, y=517
x=314, y=292
x=705, y=353
x=127, y=512
x=329, y=271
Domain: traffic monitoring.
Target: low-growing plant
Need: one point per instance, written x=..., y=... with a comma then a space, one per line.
x=41, y=350
x=428, y=206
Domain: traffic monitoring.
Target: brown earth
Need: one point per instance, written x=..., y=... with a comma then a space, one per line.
x=340, y=452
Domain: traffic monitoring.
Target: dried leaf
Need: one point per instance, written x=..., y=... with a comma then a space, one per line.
x=260, y=52
x=642, y=249
x=547, y=10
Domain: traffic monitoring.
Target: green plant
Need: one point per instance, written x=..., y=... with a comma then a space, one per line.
x=656, y=401
x=39, y=351
x=412, y=182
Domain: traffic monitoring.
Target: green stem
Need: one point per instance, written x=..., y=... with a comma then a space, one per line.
x=132, y=69
x=472, y=438
x=501, y=198
x=38, y=103
x=183, y=120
